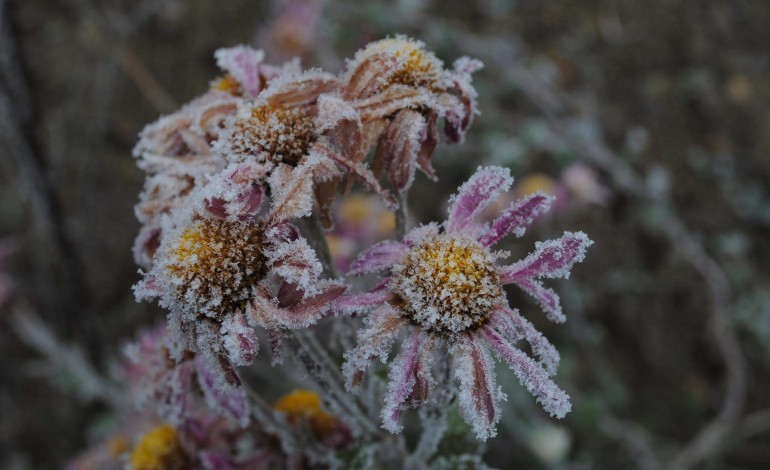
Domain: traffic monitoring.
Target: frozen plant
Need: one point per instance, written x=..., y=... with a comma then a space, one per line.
x=444, y=286
x=240, y=184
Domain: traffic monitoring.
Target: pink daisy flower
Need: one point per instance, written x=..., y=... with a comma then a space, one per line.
x=444, y=291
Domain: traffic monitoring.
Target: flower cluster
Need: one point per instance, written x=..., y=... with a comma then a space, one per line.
x=241, y=181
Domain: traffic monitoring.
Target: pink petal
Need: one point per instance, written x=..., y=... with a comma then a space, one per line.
x=517, y=217
x=378, y=257
x=553, y=399
x=315, y=305
x=361, y=302
x=264, y=313
x=551, y=259
x=514, y=327
x=242, y=62
x=547, y=298
x=375, y=340
x=228, y=399
x=479, y=394
x=401, y=381
x=475, y=194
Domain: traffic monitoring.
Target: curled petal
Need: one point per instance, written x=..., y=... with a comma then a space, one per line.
x=400, y=146
x=553, y=399
x=551, y=259
x=242, y=62
x=517, y=217
x=401, y=382
x=375, y=340
x=479, y=394
x=267, y=314
x=327, y=294
x=378, y=257
x=296, y=262
x=475, y=194
x=514, y=327
x=392, y=100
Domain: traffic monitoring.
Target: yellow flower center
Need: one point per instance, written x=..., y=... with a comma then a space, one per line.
x=304, y=405
x=214, y=265
x=419, y=68
x=279, y=133
x=447, y=284
x=158, y=449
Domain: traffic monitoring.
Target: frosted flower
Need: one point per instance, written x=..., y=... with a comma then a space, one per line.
x=221, y=272
x=176, y=150
x=443, y=288
x=394, y=94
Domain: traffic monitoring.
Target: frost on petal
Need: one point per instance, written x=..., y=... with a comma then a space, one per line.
x=514, y=328
x=401, y=382
x=551, y=259
x=242, y=62
x=174, y=400
x=328, y=292
x=267, y=314
x=355, y=303
x=475, y=194
x=459, y=119
x=400, y=146
x=297, y=263
x=418, y=234
x=228, y=399
x=378, y=257
x=391, y=101
x=238, y=339
x=375, y=340
x=553, y=399
x=479, y=394
x=292, y=193
x=517, y=217
x=546, y=297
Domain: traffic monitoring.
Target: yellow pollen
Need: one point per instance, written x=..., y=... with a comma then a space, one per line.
x=158, y=449
x=215, y=264
x=447, y=284
x=304, y=405
x=228, y=84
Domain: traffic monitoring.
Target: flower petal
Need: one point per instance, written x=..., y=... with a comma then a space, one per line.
x=547, y=298
x=514, y=327
x=400, y=145
x=479, y=394
x=378, y=257
x=375, y=340
x=553, y=399
x=475, y=194
x=228, y=399
x=401, y=381
x=517, y=217
x=551, y=259
x=238, y=339
x=242, y=62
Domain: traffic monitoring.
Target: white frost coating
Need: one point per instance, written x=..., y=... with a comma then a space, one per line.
x=514, y=328
x=292, y=192
x=296, y=262
x=553, y=399
x=479, y=393
x=238, y=339
x=418, y=234
x=486, y=185
x=553, y=258
x=401, y=381
x=382, y=329
x=332, y=110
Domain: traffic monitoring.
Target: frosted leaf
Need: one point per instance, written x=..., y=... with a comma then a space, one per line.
x=517, y=217
x=479, y=394
x=378, y=257
x=242, y=62
x=401, y=381
x=551, y=259
x=553, y=399
x=238, y=339
x=514, y=328
x=227, y=399
x=474, y=195
x=374, y=340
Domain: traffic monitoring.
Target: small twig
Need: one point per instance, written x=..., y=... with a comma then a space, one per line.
x=402, y=214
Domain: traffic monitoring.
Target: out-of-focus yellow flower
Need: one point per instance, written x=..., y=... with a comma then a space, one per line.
x=534, y=183
x=158, y=449
x=304, y=405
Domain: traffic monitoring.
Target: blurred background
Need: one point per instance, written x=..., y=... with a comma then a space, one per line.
x=648, y=120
